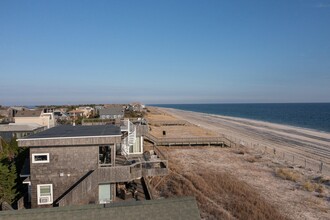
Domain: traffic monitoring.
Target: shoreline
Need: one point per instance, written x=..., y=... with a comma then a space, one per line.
x=308, y=143
x=248, y=119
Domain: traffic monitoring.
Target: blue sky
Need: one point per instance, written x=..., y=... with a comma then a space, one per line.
x=164, y=51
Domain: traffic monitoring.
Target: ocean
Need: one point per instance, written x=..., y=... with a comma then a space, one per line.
x=314, y=116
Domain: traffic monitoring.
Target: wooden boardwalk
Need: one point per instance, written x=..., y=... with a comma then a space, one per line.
x=189, y=141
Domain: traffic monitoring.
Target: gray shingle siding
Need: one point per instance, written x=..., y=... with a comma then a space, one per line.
x=111, y=113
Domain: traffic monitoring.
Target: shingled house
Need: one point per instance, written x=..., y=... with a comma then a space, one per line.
x=76, y=165
x=112, y=112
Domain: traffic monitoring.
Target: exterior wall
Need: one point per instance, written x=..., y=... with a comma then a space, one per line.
x=42, y=120
x=66, y=166
x=111, y=116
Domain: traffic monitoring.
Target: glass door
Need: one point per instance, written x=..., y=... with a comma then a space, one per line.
x=104, y=193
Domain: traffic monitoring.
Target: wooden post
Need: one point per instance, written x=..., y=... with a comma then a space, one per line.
x=321, y=167
x=305, y=163
x=293, y=158
x=283, y=155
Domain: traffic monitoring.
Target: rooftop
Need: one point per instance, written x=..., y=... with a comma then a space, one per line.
x=112, y=111
x=176, y=208
x=29, y=113
x=19, y=127
x=77, y=131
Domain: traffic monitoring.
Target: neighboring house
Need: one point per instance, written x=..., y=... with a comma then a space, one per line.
x=137, y=107
x=97, y=109
x=76, y=165
x=9, y=113
x=9, y=131
x=60, y=115
x=49, y=109
x=76, y=113
x=12, y=111
x=112, y=112
x=35, y=116
x=87, y=111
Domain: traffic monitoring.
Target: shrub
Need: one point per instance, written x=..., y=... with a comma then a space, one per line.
x=309, y=186
x=288, y=174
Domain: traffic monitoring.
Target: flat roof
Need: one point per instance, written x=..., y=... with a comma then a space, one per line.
x=66, y=131
x=175, y=208
x=19, y=127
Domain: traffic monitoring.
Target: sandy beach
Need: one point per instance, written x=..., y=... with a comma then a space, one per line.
x=205, y=172
x=308, y=143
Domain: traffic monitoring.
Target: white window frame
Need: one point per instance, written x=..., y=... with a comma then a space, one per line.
x=50, y=201
x=40, y=161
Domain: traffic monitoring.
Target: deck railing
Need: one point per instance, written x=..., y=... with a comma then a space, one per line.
x=112, y=175
x=221, y=140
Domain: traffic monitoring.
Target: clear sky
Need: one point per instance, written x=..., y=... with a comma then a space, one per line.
x=164, y=51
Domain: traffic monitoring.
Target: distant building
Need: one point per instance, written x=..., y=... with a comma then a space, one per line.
x=87, y=111
x=76, y=165
x=9, y=131
x=112, y=112
x=35, y=116
x=76, y=113
x=9, y=113
x=12, y=111
x=60, y=115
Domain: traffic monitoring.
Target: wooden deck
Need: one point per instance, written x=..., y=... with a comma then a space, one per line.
x=189, y=141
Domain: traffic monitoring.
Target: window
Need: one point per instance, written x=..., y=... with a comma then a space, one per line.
x=105, y=155
x=45, y=194
x=40, y=158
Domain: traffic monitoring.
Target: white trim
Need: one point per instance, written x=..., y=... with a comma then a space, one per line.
x=50, y=198
x=55, y=138
x=40, y=161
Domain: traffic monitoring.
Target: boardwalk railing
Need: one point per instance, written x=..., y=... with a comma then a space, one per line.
x=168, y=123
x=221, y=140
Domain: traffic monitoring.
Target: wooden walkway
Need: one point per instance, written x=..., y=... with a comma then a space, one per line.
x=189, y=141
x=169, y=123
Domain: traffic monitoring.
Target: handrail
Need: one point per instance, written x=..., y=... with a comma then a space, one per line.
x=160, y=153
x=136, y=170
x=168, y=122
x=166, y=140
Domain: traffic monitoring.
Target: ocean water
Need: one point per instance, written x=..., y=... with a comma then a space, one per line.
x=314, y=116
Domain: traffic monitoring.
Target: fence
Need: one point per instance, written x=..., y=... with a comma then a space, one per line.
x=290, y=157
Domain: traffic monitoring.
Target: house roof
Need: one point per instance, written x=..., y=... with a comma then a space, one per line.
x=112, y=111
x=29, y=113
x=176, y=208
x=19, y=127
x=77, y=131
